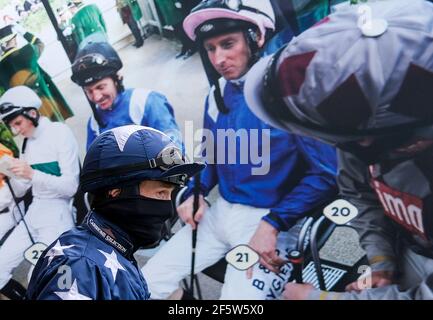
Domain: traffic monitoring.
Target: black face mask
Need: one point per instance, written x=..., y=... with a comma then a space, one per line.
x=380, y=150
x=140, y=217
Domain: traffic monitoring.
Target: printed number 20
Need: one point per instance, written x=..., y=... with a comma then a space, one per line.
x=340, y=212
x=240, y=256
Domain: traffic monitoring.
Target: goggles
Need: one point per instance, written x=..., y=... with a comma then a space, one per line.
x=88, y=61
x=168, y=158
x=8, y=108
x=178, y=180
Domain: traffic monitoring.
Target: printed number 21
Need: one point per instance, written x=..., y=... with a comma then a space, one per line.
x=36, y=254
x=240, y=255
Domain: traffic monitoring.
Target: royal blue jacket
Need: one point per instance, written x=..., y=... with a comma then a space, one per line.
x=301, y=171
x=140, y=107
x=91, y=262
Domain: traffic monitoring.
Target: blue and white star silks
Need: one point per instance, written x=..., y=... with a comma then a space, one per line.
x=112, y=263
x=72, y=293
x=92, y=265
x=55, y=251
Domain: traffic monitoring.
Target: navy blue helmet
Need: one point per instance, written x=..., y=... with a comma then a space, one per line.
x=130, y=154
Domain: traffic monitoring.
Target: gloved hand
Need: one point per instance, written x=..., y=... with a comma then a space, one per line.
x=178, y=4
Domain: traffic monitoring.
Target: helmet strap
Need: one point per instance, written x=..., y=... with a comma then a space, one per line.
x=34, y=120
x=251, y=36
x=118, y=81
x=219, y=98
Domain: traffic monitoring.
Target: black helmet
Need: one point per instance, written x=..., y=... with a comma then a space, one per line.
x=95, y=61
x=130, y=154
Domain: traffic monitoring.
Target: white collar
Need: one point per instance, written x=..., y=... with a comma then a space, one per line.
x=43, y=122
x=239, y=81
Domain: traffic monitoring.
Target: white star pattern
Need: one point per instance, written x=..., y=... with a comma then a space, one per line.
x=122, y=134
x=112, y=263
x=57, y=250
x=72, y=294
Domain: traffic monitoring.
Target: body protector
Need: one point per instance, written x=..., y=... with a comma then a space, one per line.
x=216, y=17
x=349, y=79
x=19, y=101
x=122, y=158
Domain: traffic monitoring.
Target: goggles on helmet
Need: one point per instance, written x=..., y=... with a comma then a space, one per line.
x=90, y=60
x=8, y=108
x=168, y=158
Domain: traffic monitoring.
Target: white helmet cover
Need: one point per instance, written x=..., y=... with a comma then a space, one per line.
x=20, y=97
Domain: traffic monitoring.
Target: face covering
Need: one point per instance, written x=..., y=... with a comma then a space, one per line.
x=382, y=149
x=140, y=217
